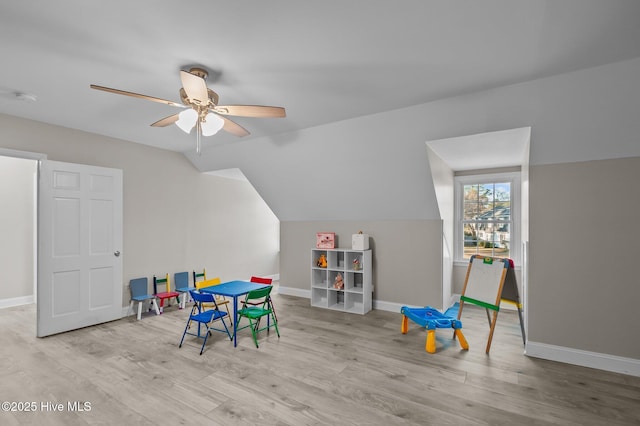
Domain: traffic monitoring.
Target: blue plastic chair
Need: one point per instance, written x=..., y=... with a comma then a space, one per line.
x=203, y=317
x=181, y=283
x=140, y=293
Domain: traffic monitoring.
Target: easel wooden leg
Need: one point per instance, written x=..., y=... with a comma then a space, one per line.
x=460, y=309
x=524, y=340
x=493, y=327
x=459, y=316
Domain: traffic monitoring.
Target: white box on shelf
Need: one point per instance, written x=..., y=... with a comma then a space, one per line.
x=360, y=242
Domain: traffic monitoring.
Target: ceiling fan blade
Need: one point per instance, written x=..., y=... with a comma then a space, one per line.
x=195, y=87
x=234, y=128
x=136, y=95
x=166, y=121
x=251, y=111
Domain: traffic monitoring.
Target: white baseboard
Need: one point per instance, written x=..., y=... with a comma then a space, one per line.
x=16, y=301
x=455, y=297
x=377, y=304
x=388, y=306
x=613, y=363
x=291, y=291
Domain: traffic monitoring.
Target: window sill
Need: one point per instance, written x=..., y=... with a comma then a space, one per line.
x=465, y=263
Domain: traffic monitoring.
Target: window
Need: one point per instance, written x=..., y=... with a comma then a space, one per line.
x=487, y=216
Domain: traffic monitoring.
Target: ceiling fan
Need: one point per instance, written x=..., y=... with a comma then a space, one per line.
x=201, y=109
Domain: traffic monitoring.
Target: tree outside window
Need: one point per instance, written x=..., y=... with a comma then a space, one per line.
x=486, y=219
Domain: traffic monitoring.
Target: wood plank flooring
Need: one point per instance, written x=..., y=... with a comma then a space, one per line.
x=328, y=368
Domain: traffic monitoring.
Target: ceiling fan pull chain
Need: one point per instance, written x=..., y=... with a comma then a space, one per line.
x=198, y=135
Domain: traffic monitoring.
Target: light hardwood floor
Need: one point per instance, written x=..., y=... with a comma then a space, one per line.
x=328, y=368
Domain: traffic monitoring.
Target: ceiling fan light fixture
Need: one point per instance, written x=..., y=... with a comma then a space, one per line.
x=187, y=119
x=201, y=108
x=212, y=124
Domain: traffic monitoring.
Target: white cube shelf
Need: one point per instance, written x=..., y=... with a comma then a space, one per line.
x=355, y=296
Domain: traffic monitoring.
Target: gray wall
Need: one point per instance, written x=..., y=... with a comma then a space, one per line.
x=406, y=257
x=584, y=250
x=175, y=218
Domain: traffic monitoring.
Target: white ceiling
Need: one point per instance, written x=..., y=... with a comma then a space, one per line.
x=504, y=148
x=323, y=61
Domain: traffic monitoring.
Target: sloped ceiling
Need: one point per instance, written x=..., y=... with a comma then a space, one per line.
x=357, y=79
x=323, y=61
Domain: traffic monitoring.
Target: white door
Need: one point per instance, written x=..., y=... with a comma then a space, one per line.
x=79, y=244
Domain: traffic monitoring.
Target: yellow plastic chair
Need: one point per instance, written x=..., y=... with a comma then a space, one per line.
x=220, y=300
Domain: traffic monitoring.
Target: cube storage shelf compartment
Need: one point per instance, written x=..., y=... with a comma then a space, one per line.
x=355, y=296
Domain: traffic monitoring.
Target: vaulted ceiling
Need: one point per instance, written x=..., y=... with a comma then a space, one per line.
x=323, y=61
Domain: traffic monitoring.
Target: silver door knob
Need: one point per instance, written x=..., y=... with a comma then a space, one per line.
x=117, y=253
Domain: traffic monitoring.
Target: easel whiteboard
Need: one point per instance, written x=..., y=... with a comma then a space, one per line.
x=483, y=286
x=484, y=281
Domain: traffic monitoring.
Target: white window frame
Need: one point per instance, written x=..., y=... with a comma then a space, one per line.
x=516, y=207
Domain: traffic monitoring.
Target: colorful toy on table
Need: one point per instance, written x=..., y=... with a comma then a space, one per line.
x=338, y=282
x=431, y=318
x=322, y=261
